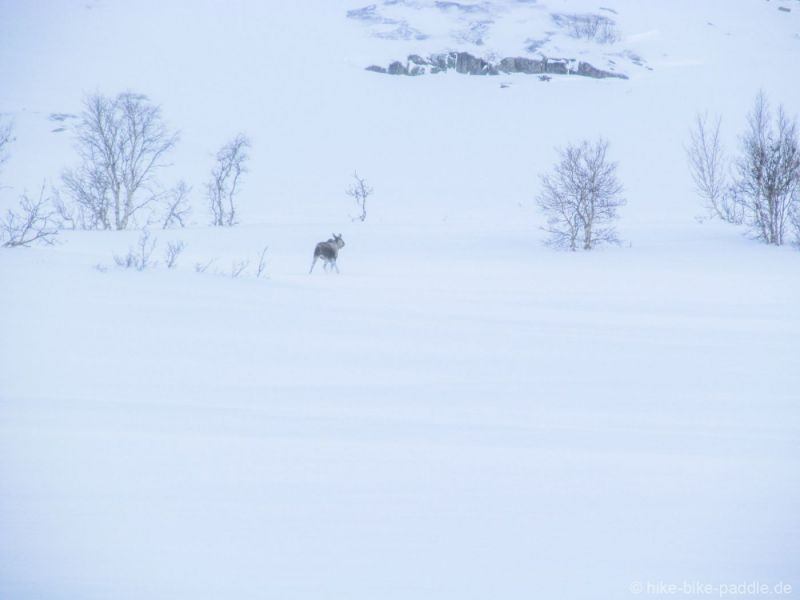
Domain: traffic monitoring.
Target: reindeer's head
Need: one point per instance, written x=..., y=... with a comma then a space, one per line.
x=337, y=239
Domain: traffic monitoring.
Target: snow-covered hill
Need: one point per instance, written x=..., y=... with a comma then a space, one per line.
x=463, y=412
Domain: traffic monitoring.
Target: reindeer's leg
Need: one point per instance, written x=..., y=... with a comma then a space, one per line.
x=313, y=262
x=335, y=267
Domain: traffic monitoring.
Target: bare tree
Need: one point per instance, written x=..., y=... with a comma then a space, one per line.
x=224, y=182
x=33, y=222
x=122, y=141
x=176, y=206
x=581, y=196
x=359, y=191
x=708, y=166
x=174, y=250
x=767, y=179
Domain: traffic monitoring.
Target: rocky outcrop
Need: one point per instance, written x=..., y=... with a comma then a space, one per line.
x=588, y=70
x=472, y=65
x=522, y=65
x=466, y=63
x=397, y=68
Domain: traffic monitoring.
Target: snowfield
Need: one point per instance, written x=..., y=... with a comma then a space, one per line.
x=463, y=413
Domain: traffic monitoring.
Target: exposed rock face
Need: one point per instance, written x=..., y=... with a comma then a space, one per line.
x=466, y=63
x=521, y=65
x=471, y=65
x=588, y=70
x=442, y=62
x=397, y=68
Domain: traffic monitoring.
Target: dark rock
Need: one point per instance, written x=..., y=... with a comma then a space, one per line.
x=532, y=45
x=61, y=117
x=366, y=13
x=438, y=62
x=557, y=67
x=472, y=65
x=397, y=68
x=467, y=8
x=466, y=63
x=521, y=65
x=588, y=70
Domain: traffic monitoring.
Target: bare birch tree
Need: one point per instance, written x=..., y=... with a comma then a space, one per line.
x=176, y=206
x=224, y=183
x=709, y=166
x=767, y=178
x=581, y=196
x=122, y=141
x=359, y=191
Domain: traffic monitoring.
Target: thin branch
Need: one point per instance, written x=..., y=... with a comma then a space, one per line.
x=33, y=222
x=262, y=262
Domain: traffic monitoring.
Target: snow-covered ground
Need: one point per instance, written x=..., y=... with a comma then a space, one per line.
x=463, y=412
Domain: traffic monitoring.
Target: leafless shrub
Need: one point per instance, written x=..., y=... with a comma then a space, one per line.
x=262, y=262
x=767, y=173
x=359, y=191
x=581, y=196
x=126, y=262
x=176, y=206
x=708, y=166
x=122, y=142
x=224, y=182
x=174, y=250
x=139, y=257
x=33, y=222
x=238, y=267
x=595, y=28
x=203, y=267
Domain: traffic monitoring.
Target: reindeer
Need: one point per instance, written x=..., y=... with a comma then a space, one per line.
x=328, y=252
